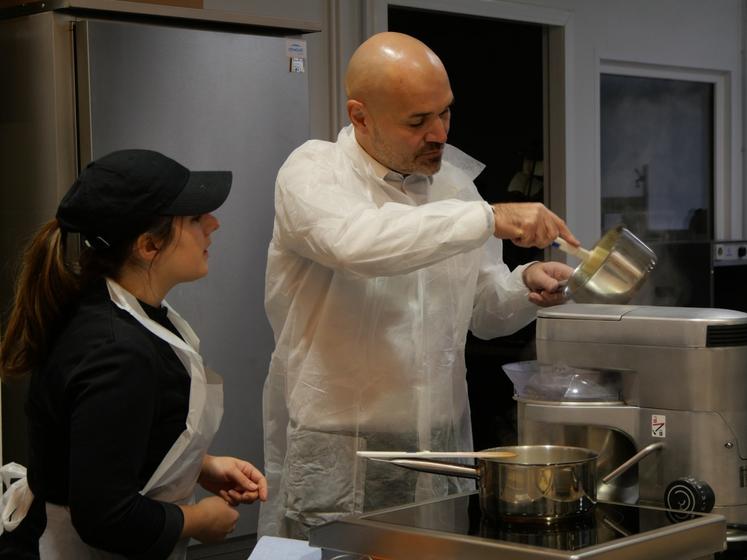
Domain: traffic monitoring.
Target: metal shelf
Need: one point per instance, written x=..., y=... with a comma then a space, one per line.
x=124, y=10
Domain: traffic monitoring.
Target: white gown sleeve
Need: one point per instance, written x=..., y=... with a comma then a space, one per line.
x=339, y=226
x=501, y=306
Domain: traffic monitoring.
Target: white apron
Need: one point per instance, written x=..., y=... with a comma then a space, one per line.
x=175, y=477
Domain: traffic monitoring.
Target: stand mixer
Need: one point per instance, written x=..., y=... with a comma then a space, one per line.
x=668, y=381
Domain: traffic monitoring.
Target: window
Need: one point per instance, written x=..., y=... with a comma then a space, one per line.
x=657, y=157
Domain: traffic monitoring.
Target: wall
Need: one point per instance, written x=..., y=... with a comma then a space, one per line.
x=37, y=158
x=670, y=35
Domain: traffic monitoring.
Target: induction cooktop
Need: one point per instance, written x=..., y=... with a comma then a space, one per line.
x=454, y=527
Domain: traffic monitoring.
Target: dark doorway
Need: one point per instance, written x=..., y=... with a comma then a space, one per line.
x=496, y=73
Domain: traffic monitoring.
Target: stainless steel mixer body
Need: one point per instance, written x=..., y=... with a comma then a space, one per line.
x=683, y=376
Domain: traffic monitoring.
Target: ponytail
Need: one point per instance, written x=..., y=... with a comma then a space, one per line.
x=44, y=291
x=47, y=289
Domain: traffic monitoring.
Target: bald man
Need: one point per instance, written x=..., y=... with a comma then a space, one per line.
x=383, y=255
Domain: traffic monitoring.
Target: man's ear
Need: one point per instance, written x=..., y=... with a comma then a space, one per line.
x=358, y=115
x=146, y=247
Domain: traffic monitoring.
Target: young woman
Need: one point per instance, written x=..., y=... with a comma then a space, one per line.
x=121, y=409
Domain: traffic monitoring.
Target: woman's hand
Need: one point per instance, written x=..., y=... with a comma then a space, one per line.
x=209, y=520
x=234, y=480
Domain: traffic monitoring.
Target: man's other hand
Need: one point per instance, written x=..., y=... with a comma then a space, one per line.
x=545, y=281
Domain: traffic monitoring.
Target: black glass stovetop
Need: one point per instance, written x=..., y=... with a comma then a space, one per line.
x=454, y=528
x=462, y=516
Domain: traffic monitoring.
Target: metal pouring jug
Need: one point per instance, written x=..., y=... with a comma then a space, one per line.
x=612, y=271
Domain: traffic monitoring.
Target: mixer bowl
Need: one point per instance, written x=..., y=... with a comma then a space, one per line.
x=618, y=265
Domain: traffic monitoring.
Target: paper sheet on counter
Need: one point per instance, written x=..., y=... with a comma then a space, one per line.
x=278, y=548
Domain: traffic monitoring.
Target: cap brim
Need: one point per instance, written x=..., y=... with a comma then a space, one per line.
x=204, y=192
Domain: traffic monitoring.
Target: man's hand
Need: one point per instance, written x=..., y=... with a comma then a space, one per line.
x=545, y=281
x=530, y=224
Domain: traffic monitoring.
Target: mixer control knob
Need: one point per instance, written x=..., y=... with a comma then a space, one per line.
x=688, y=494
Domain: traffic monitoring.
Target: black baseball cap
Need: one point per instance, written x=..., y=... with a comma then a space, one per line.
x=118, y=196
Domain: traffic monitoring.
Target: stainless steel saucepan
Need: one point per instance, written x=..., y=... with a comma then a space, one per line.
x=612, y=271
x=534, y=483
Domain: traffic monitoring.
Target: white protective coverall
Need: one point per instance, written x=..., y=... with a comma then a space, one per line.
x=370, y=292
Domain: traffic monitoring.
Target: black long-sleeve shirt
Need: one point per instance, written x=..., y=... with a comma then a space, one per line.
x=103, y=412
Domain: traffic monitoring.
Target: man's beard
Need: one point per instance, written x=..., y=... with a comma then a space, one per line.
x=416, y=163
x=428, y=160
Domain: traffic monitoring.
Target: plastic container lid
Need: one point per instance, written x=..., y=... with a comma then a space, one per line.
x=557, y=382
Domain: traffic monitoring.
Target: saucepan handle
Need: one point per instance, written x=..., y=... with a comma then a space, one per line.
x=578, y=252
x=435, y=467
x=632, y=461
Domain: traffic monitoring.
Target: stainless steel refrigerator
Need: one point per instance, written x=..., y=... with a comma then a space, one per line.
x=77, y=87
